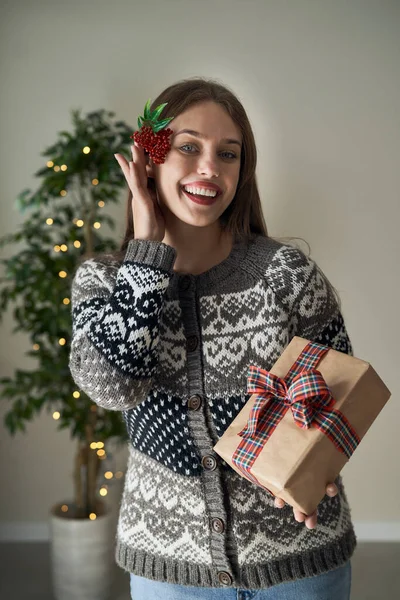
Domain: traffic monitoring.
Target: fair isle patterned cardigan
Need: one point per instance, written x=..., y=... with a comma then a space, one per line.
x=171, y=352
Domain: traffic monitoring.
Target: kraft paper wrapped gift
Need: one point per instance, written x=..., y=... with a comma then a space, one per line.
x=305, y=418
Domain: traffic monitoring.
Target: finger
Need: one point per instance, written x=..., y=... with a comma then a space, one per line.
x=311, y=520
x=332, y=490
x=298, y=515
x=140, y=160
x=279, y=503
x=123, y=163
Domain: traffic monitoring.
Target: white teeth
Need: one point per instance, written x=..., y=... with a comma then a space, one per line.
x=201, y=191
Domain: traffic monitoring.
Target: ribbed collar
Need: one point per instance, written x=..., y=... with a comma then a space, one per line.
x=210, y=279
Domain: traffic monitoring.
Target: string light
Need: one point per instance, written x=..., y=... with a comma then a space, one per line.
x=95, y=182
x=64, y=247
x=57, y=248
x=36, y=346
x=80, y=223
x=56, y=169
x=103, y=491
x=101, y=452
x=49, y=221
x=49, y=164
x=77, y=244
x=100, y=444
x=76, y=394
x=62, y=341
x=66, y=301
x=101, y=203
x=64, y=167
x=63, y=193
x=97, y=225
x=93, y=445
x=62, y=274
x=86, y=150
x=56, y=415
x=92, y=516
x=64, y=508
x=108, y=474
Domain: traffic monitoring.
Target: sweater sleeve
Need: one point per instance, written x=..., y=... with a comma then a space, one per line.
x=314, y=311
x=115, y=323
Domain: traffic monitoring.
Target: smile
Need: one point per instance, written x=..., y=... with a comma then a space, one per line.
x=201, y=198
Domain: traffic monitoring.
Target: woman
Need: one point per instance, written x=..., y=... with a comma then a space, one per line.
x=165, y=331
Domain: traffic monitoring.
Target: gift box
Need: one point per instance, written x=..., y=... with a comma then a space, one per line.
x=303, y=421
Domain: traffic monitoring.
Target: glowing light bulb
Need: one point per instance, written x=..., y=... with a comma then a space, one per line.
x=62, y=274
x=62, y=341
x=103, y=492
x=56, y=169
x=77, y=244
x=101, y=452
x=86, y=150
x=64, y=247
x=95, y=182
x=56, y=415
x=49, y=164
x=63, y=193
x=66, y=301
x=92, y=516
x=64, y=167
x=80, y=223
x=100, y=444
x=36, y=346
x=64, y=508
x=76, y=394
x=108, y=474
x=101, y=203
x=93, y=445
x=97, y=225
x=49, y=221
x=57, y=248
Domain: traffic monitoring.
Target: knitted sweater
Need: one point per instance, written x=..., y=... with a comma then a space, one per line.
x=171, y=352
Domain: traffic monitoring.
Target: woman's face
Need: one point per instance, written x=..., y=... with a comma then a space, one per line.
x=212, y=156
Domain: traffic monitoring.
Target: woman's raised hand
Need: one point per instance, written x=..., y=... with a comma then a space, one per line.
x=148, y=219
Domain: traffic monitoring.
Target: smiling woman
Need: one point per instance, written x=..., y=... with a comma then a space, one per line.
x=165, y=332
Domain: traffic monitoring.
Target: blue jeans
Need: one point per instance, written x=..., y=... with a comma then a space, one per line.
x=333, y=585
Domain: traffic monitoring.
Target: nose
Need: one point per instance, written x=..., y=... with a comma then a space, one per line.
x=208, y=166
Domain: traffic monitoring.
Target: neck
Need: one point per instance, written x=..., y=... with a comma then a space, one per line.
x=200, y=249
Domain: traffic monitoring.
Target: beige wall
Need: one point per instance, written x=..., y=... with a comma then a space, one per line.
x=320, y=82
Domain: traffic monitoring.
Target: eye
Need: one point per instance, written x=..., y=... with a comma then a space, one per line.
x=231, y=156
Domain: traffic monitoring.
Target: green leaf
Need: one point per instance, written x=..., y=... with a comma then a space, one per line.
x=162, y=124
x=147, y=110
x=157, y=112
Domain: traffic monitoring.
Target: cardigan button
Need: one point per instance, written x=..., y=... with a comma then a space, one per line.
x=224, y=578
x=209, y=462
x=184, y=282
x=218, y=525
x=195, y=402
x=191, y=343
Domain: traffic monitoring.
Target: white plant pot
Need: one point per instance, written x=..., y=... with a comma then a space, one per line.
x=82, y=554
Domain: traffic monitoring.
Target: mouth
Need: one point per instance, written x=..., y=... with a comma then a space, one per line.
x=199, y=199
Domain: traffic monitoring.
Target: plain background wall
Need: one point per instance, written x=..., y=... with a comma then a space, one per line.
x=320, y=82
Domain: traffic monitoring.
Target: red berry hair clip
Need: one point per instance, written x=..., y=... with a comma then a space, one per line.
x=152, y=135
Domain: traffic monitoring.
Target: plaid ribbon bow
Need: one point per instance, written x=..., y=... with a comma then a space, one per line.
x=303, y=391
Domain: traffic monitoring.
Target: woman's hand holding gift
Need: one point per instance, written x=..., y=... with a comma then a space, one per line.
x=310, y=520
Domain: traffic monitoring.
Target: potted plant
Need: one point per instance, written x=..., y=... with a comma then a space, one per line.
x=61, y=226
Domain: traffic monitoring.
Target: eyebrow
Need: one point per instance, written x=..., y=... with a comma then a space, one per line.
x=200, y=135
